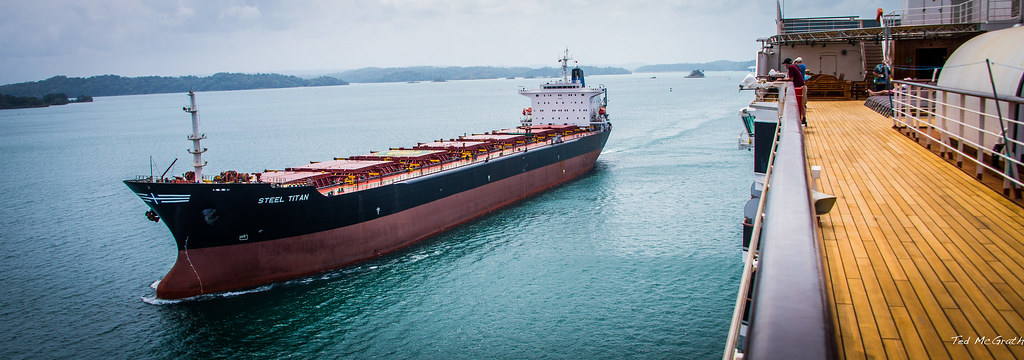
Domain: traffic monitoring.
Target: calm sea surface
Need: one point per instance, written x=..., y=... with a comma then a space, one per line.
x=639, y=258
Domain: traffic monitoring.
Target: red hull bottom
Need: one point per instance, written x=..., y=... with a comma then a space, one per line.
x=225, y=268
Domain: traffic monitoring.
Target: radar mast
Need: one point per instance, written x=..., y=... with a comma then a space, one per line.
x=195, y=137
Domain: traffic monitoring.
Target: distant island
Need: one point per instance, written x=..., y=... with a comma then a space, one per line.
x=112, y=85
x=31, y=94
x=21, y=102
x=432, y=73
x=720, y=65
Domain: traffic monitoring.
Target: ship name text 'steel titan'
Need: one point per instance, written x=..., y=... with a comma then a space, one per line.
x=281, y=199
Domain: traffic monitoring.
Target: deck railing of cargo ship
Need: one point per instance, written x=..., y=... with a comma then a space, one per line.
x=782, y=272
x=153, y=178
x=388, y=179
x=432, y=169
x=962, y=122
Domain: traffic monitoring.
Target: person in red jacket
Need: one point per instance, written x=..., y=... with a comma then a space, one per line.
x=797, y=77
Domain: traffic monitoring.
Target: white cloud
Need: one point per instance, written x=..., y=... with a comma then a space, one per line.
x=186, y=12
x=137, y=37
x=242, y=12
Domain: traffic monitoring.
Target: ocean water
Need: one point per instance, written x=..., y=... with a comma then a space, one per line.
x=639, y=258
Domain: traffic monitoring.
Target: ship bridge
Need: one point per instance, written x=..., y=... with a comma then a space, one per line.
x=567, y=101
x=562, y=104
x=561, y=86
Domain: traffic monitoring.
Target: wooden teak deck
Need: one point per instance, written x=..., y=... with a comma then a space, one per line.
x=922, y=261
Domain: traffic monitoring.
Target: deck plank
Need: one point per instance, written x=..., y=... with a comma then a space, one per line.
x=908, y=334
x=894, y=349
x=917, y=251
x=883, y=320
x=853, y=347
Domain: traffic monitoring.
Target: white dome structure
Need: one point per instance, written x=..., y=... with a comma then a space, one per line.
x=966, y=71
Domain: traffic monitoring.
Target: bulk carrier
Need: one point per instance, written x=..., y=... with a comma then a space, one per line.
x=241, y=230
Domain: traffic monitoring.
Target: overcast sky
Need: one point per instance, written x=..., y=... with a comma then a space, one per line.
x=43, y=38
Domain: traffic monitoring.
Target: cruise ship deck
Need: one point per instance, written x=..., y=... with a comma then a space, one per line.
x=921, y=260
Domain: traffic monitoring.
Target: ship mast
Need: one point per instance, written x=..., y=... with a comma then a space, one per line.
x=195, y=137
x=565, y=66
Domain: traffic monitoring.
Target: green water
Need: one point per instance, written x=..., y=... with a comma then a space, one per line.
x=637, y=259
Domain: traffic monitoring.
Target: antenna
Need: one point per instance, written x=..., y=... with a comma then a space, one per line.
x=565, y=66
x=196, y=151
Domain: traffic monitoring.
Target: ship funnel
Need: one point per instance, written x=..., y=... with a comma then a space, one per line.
x=577, y=76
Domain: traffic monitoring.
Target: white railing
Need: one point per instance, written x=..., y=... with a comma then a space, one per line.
x=803, y=25
x=970, y=12
x=975, y=122
x=1005, y=10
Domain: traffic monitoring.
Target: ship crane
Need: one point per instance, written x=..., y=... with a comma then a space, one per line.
x=196, y=150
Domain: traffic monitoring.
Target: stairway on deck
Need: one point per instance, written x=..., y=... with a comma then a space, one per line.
x=872, y=55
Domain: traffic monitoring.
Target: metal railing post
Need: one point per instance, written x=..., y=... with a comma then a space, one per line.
x=918, y=110
x=979, y=170
x=962, y=126
x=900, y=97
x=943, y=152
x=933, y=109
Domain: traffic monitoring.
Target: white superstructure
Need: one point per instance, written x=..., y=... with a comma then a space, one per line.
x=567, y=101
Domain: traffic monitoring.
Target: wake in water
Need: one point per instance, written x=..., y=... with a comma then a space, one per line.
x=153, y=300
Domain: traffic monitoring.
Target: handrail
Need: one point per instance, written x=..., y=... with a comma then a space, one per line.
x=789, y=314
x=748, y=263
x=817, y=24
x=935, y=111
x=1007, y=98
